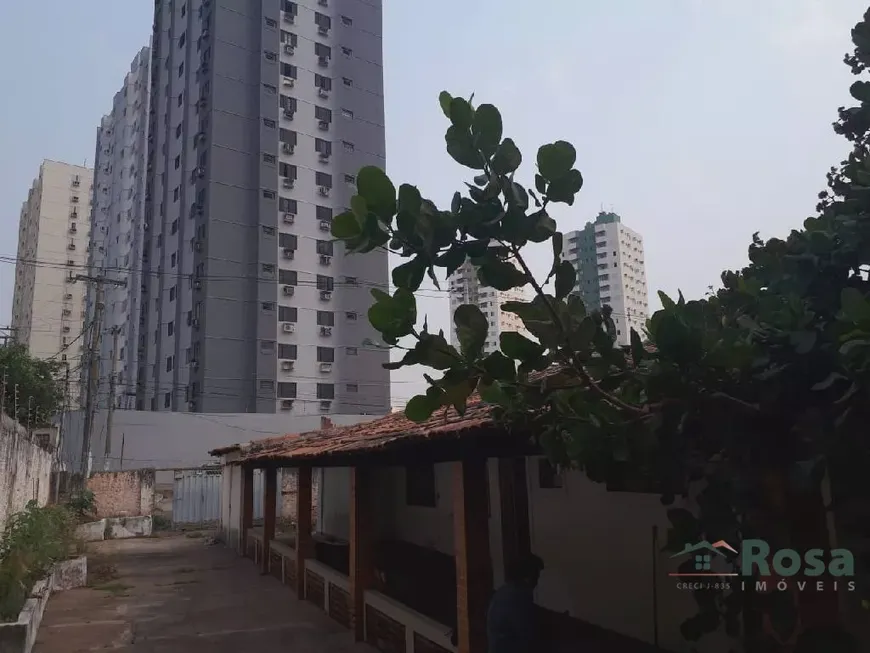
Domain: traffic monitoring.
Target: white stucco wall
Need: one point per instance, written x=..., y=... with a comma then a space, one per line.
x=25, y=470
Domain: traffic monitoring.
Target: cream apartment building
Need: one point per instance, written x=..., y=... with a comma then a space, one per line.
x=48, y=304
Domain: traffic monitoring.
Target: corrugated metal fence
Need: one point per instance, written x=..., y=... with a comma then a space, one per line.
x=196, y=496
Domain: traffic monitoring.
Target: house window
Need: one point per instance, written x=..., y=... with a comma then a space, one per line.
x=420, y=485
x=549, y=477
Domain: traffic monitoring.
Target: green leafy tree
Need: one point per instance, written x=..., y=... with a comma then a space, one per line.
x=38, y=382
x=744, y=401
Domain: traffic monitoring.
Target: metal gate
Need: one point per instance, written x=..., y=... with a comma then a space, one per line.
x=196, y=496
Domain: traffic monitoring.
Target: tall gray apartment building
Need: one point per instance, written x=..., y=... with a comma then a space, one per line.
x=261, y=114
x=117, y=230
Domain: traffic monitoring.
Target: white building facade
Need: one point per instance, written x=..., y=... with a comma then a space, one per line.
x=466, y=288
x=117, y=223
x=48, y=309
x=611, y=270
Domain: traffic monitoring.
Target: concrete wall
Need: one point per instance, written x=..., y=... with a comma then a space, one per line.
x=25, y=470
x=123, y=494
x=174, y=440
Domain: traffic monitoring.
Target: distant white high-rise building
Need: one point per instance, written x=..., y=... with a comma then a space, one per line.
x=610, y=267
x=466, y=288
x=48, y=314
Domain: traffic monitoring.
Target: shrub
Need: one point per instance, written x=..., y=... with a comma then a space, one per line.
x=83, y=505
x=34, y=539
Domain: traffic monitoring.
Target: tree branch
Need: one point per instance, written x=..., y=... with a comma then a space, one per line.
x=569, y=360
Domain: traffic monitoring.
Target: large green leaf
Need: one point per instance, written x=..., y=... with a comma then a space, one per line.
x=555, y=160
x=501, y=275
x=499, y=366
x=507, y=157
x=460, y=146
x=409, y=200
x=487, y=129
x=410, y=275
x=563, y=189
x=855, y=306
x=566, y=277
x=461, y=113
x=420, y=408
x=471, y=329
x=444, y=99
x=517, y=346
x=346, y=225
x=373, y=184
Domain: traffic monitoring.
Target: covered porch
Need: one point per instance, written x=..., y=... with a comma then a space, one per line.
x=417, y=528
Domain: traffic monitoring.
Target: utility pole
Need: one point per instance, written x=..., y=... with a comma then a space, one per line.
x=94, y=366
x=3, y=393
x=60, y=433
x=111, y=415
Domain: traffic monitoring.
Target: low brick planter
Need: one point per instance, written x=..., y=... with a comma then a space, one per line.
x=18, y=636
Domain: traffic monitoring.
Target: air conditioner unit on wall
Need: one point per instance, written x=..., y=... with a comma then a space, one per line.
x=287, y=365
x=289, y=327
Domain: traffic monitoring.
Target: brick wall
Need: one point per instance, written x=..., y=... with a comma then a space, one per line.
x=123, y=494
x=288, y=480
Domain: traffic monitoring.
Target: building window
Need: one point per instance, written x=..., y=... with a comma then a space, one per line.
x=288, y=70
x=270, y=89
x=347, y=52
x=420, y=485
x=324, y=247
x=322, y=147
x=288, y=277
x=289, y=7
x=322, y=82
x=178, y=130
x=177, y=162
x=182, y=39
x=350, y=179
x=325, y=391
x=322, y=21
x=323, y=179
x=288, y=241
x=351, y=315
x=170, y=362
x=347, y=81
x=288, y=38
x=287, y=205
x=323, y=213
x=347, y=113
x=268, y=122
x=269, y=158
x=288, y=314
x=287, y=171
x=172, y=293
x=167, y=400
x=287, y=352
x=325, y=355
x=348, y=146
x=268, y=307
x=352, y=387
x=351, y=351
x=173, y=259
x=549, y=477
x=268, y=194
x=286, y=390
x=174, y=227
x=181, y=69
x=322, y=114
x=325, y=283
x=325, y=318
x=270, y=56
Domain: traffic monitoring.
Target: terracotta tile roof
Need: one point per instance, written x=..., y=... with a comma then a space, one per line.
x=365, y=437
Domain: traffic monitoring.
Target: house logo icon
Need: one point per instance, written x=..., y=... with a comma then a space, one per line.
x=703, y=554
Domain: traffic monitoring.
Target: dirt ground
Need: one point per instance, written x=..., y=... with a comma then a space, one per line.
x=177, y=593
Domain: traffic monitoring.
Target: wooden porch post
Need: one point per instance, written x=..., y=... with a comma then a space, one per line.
x=473, y=561
x=247, y=506
x=514, y=500
x=303, y=526
x=361, y=558
x=270, y=503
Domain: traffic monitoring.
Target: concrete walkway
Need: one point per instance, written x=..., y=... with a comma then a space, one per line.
x=177, y=594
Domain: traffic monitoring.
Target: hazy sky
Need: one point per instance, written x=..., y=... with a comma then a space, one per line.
x=698, y=121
